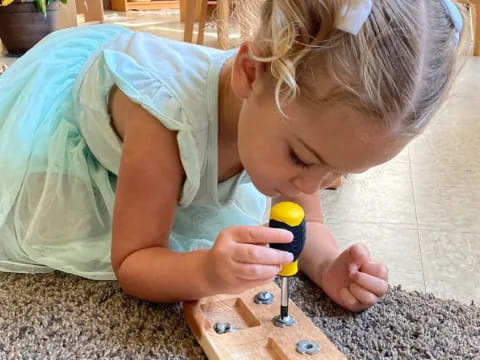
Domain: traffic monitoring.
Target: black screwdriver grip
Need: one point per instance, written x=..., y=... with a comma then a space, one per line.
x=299, y=234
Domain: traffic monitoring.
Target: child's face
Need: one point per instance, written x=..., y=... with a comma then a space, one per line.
x=316, y=144
x=310, y=149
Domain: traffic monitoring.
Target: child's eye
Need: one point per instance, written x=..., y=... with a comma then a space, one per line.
x=297, y=161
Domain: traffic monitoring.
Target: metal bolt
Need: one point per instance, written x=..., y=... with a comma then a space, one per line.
x=308, y=347
x=283, y=321
x=264, y=297
x=222, y=328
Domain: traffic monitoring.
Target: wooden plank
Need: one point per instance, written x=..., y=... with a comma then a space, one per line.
x=257, y=338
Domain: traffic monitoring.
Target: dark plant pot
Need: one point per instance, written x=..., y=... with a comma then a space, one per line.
x=22, y=25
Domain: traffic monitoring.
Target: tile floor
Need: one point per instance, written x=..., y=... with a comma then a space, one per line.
x=420, y=212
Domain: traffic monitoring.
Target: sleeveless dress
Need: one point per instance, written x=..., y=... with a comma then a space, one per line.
x=59, y=155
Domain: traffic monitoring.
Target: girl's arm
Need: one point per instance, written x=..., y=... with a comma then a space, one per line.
x=149, y=184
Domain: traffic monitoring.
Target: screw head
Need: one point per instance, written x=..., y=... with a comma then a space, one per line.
x=264, y=297
x=283, y=321
x=222, y=328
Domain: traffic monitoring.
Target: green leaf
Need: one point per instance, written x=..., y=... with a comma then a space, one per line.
x=63, y=1
x=42, y=6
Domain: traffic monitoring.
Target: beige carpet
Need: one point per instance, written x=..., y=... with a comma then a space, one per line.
x=58, y=316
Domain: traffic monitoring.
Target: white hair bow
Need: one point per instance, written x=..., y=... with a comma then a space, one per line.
x=455, y=16
x=354, y=15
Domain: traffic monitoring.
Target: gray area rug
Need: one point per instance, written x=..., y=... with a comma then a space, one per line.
x=58, y=316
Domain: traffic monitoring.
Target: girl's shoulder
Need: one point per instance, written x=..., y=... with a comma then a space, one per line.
x=166, y=73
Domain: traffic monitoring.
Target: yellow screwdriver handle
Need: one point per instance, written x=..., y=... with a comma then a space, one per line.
x=289, y=216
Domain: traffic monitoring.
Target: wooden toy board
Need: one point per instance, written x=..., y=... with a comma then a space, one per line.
x=257, y=338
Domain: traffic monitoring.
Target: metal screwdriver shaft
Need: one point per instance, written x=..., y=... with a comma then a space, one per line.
x=284, y=299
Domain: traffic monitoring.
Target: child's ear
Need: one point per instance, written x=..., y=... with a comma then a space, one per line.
x=246, y=72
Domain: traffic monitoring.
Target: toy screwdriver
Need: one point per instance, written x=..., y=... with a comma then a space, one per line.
x=290, y=216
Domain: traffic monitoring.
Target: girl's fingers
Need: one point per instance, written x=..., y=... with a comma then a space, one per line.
x=260, y=235
x=362, y=295
x=257, y=254
x=353, y=298
x=349, y=301
x=374, y=284
x=257, y=272
x=375, y=269
x=359, y=255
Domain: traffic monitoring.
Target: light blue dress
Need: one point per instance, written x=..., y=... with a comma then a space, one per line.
x=59, y=155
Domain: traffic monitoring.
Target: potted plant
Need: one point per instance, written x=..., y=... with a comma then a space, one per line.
x=25, y=22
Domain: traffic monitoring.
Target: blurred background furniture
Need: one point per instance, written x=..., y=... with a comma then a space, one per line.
x=247, y=12
x=125, y=5
x=192, y=10
x=474, y=9
x=89, y=12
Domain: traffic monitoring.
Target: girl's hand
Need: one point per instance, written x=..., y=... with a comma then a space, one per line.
x=240, y=259
x=354, y=280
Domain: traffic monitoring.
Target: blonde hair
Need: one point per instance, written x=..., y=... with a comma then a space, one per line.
x=401, y=62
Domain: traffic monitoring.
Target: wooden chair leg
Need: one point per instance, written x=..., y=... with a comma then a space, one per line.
x=182, y=11
x=202, y=21
x=67, y=15
x=94, y=11
x=223, y=9
x=190, y=8
x=475, y=11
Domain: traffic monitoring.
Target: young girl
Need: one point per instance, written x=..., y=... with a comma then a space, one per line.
x=129, y=156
